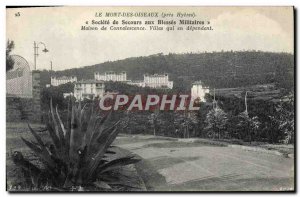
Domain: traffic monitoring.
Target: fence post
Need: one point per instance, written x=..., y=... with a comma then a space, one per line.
x=36, y=96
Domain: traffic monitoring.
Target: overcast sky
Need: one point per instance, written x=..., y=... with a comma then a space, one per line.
x=239, y=28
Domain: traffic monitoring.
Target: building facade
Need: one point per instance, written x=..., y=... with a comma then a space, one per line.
x=111, y=76
x=158, y=81
x=198, y=91
x=136, y=83
x=154, y=81
x=56, y=81
x=89, y=89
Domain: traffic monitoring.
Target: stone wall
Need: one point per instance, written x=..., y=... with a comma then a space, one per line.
x=26, y=109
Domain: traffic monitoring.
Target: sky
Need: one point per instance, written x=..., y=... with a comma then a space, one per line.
x=234, y=28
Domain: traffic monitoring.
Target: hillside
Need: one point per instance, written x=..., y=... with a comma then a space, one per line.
x=216, y=69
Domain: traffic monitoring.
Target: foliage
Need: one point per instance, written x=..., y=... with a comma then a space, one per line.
x=266, y=121
x=216, y=121
x=248, y=126
x=264, y=109
x=153, y=119
x=79, y=154
x=55, y=93
x=186, y=124
x=284, y=119
x=10, y=45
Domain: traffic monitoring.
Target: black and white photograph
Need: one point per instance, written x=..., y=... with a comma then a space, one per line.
x=150, y=99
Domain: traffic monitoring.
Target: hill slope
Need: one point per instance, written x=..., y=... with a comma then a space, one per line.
x=217, y=69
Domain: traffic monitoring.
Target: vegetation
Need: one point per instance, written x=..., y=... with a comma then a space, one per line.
x=247, y=126
x=216, y=120
x=283, y=120
x=78, y=155
x=264, y=121
x=55, y=93
x=10, y=45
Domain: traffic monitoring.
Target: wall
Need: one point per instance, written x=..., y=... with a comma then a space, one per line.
x=26, y=109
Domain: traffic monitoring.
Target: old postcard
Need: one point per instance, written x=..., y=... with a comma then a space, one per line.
x=144, y=99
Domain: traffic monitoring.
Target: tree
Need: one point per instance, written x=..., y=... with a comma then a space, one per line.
x=153, y=118
x=284, y=119
x=55, y=93
x=10, y=45
x=248, y=125
x=189, y=121
x=287, y=119
x=216, y=121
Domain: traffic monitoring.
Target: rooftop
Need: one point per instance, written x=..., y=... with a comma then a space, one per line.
x=112, y=72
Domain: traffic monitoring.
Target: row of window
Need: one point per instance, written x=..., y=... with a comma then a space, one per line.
x=93, y=85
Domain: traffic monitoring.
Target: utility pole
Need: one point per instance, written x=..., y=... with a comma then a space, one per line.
x=246, y=102
x=35, y=54
x=50, y=73
x=36, y=51
x=214, y=101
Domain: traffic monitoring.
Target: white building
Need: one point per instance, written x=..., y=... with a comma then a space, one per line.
x=56, y=81
x=136, y=83
x=89, y=89
x=157, y=81
x=199, y=91
x=154, y=81
x=111, y=76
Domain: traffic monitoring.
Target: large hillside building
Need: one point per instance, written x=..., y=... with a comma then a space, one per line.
x=89, y=89
x=154, y=81
x=111, y=76
x=56, y=81
x=158, y=81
